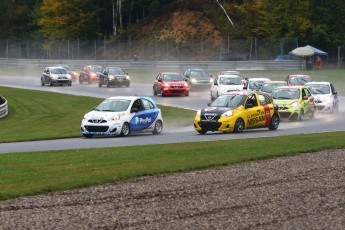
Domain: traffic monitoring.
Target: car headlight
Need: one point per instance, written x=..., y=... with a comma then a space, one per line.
x=227, y=114
x=185, y=84
x=111, y=77
x=93, y=75
x=222, y=89
x=198, y=113
x=86, y=117
x=211, y=80
x=127, y=77
x=193, y=80
x=166, y=84
x=294, y=104
x=116, y=117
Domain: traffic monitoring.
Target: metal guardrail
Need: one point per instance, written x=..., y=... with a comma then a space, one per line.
x=129, y=64
x=3, y=107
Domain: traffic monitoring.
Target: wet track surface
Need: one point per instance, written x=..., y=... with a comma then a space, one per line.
x=196, y=100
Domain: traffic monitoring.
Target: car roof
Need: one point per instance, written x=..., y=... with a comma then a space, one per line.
x=230, y=75
x=298, y=75
x=275, y=82
x=318, y=82
x=291, y=87
x=259, y=79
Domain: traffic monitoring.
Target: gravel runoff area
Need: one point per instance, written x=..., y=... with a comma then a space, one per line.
x=305, y=191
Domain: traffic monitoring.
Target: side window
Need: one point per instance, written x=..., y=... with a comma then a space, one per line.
x=304, y=93
x=252, y=100
x=147, y=104
x=137, y=105
x=264, y=100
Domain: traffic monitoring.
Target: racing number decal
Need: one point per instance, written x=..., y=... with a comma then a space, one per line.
x=267, y=114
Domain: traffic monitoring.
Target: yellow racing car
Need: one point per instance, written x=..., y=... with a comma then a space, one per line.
x=238, y=110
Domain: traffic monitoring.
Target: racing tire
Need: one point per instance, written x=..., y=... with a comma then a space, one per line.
x=128, y=85
x=239, y=125
x=274, y=123
x=301, y=115
x=80, y=80
x=125, y=130
x=108, y=84
x=158, y=127
x=99, y=84
x=88, y=135
x=51, y=83
x=154, y=92
x=201, y=131
x=42, y=83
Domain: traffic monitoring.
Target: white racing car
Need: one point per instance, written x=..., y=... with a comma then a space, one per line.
x=120, y=116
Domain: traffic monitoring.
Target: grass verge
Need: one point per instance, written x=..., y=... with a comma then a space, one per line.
x=38, y=172
x=39, y=115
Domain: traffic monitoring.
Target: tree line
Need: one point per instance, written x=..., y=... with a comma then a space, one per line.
x=317, y=22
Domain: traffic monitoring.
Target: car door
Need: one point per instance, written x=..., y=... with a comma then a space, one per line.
x=158, y=84
x=335, y=96
x=144, y=115
x=214, y=88
x=255, y=114
x=307, y=100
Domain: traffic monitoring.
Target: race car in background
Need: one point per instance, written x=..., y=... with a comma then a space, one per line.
x=122, y=115
x=225, y=82
x=238, y=110
x=325, y=96
x=113, y=76
x=90, y=74
x=55, y=75
x=294, y=102
x=170, y=84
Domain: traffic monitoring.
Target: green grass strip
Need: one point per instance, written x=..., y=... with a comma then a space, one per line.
x=38, y=172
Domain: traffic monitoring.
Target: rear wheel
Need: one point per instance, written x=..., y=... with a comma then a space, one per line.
x=274, y=123
x=239, y=125
x=158, y=127
x=125, y=130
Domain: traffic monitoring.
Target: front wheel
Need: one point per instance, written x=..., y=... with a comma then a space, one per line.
x=125, y=130
x=239, y=125
x=301, y=116
x=202, y=131
x=158, y=127
x=99, y=84
x=274, y=123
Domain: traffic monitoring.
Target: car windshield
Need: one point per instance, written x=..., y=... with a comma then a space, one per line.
x=111, y=105
x=269, y=87
x=173, y=77
x=199, y=74
x=285, y=94
x=58, y=71
x=299, y=80
x=256, y=85
x=319, y=88
x=116, y=71
x=96, y=68
x=234, y=80
x=231, y=101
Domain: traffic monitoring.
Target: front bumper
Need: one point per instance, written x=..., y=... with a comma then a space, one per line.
x=119, y=82
x=105, y=128
x=222, y=125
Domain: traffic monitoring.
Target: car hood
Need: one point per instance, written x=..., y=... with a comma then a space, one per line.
x=284, y=102
x=320, y=97
x=60, y=75
x=232, y=87
x=102, y=115
x=214, y=111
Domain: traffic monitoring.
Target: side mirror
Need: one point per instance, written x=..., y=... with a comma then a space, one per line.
x=134, y=110
x=159, y=80
x=215, y=83
x=305, y=98
x=249, y=106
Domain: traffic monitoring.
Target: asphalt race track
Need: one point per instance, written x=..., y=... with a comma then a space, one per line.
x=196, y=100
